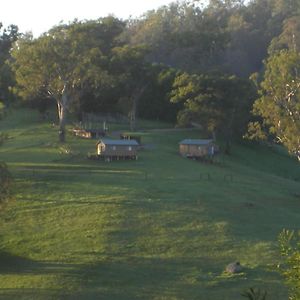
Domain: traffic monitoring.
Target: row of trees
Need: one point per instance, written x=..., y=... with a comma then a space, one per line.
x=182, y=61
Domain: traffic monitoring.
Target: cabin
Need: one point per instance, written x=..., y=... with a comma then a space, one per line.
x=89, y=133
x=109, y=149
x=197, y=149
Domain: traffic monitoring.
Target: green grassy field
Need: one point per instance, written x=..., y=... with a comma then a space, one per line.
x=161, y=227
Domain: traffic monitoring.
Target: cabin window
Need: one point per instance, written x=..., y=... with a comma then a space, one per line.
x=114, y=148
x=130, y=148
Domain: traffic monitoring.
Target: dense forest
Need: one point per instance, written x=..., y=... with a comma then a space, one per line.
x=228, y=66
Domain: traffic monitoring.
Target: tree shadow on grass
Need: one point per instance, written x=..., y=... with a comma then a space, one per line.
x=122, y=277
x=165, y=278
x=25, y=270
x=14, y=264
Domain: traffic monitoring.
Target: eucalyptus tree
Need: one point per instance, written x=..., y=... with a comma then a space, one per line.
x=7, y=37
x=65, y=61
x=279, y=101
x=289, y=37
x=180, y=35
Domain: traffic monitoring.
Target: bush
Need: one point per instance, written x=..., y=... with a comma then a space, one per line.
x=5, y=185
x=289, y=242
x=255, y=294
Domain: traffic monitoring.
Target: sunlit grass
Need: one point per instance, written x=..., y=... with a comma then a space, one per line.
x=161, y=227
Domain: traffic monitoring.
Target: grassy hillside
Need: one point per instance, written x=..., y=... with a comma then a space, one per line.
x=162, y=227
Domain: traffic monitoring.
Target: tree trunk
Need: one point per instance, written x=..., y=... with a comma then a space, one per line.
x=214, y=135
x=133, y=114
x=227, y=147
x=62, y=122
x=135, y=99
x=62, y=114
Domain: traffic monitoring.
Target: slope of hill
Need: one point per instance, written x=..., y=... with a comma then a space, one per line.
x=162, y=227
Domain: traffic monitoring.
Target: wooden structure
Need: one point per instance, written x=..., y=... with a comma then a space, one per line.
x=89, y=133
x=197, y=149
x=109, y=149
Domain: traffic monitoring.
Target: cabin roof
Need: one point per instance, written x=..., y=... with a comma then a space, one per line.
x=118, y=142
x=195, y=142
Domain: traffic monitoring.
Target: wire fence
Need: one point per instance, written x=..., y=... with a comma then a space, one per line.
x=118, y=175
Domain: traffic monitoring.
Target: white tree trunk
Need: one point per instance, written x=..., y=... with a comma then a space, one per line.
x=62, y=114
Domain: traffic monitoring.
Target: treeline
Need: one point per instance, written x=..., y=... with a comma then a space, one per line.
x=184, y=62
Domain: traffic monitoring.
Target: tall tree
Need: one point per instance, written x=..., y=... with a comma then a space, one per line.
x=155, y=103
x=64, y=62
x=7, y=37
x=180, y=35
x=279, y=102
x=220, y=104
x=133, y=70
x=289, y=37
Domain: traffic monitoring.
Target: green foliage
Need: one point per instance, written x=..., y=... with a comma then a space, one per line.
x=289, y=242
x=7, y=37
x=218, y=103
x=255, y=132
x=279, y=102
x=65, y=62
x=181, y=36
x=155, y=103
x=133, y=72
x=255, y=294
x=289, y=37
x=228, y=36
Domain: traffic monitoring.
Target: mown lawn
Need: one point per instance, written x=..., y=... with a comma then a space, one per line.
x=162, y=227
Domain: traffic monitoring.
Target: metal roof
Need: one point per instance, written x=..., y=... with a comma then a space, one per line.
x=119, y=142
x=195, y=142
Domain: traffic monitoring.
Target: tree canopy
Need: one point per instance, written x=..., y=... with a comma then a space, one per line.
x=183, y=61
x=7, y=37
x=220, y=104
x=279, y=102
x=64, y=61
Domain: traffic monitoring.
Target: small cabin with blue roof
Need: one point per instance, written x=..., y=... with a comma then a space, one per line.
x=197, y=148
x=110, y=149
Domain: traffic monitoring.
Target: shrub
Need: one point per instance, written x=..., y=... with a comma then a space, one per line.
x=289, y=242
x=255, y=294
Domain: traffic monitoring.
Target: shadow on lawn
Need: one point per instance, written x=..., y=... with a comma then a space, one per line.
x=13, y=264
x=140, y=278
x=127, y=278
x=157, y=278
x=114, y=278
